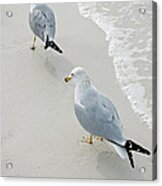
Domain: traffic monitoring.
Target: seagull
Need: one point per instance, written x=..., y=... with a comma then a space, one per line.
x=43, y=24
x=98, y=116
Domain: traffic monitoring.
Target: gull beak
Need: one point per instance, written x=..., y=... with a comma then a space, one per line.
x=67, y=79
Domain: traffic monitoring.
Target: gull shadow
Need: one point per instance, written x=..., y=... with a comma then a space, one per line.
x=111, y=166
x=57, y=65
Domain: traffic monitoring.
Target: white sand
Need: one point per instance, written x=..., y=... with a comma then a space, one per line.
x=41, y=136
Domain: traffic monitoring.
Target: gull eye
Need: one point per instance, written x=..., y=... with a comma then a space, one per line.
x=72, y=74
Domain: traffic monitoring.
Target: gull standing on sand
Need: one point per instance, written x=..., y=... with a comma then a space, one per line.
x=97, y=115
x=43, y=24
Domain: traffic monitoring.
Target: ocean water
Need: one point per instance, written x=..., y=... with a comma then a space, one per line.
x=128, y=34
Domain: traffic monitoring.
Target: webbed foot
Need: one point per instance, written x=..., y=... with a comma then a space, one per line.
x=88, y=140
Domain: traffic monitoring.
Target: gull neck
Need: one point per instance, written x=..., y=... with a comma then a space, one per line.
x=32, y=6
x=81, y=87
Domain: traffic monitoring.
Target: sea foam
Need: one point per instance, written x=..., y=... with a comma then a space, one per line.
x=129, y=36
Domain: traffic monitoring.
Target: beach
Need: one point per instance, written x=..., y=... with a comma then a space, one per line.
x=41, y=136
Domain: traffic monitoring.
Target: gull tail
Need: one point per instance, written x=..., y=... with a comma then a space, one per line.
x=121, y=151
x=132, y=146
x=125, y=151
x=53, y=45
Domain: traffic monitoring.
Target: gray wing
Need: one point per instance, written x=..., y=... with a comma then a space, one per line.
x=42, y=21
x=98, y=116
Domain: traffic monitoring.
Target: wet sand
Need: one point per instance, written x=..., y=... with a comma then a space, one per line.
x=41, y=136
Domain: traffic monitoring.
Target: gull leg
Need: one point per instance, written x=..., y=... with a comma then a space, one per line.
x=99, y=138
x=88, y=140
x=33, y=46
x=91, y=139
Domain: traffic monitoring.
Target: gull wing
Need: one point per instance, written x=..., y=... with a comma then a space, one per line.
x=42, y=21
x=102, y=113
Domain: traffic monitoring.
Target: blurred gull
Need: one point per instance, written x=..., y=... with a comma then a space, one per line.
x=97, y=115
x=43, y=24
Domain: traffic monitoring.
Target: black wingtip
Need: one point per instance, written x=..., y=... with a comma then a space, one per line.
x=59, y=51
x=147, y=152
x=46, y=46
x=136, y=147
x=132, y=146
x=130, y=155
x=56, y=47
x=53, y=45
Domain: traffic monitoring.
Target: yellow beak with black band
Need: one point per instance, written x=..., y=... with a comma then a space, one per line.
x=67, y=79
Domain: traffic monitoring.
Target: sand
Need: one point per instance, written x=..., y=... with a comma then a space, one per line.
x=41, y=136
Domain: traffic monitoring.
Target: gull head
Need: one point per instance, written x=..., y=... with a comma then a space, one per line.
x=77, y=76
x=32, y=6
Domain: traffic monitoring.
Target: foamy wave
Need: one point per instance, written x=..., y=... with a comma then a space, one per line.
x=129, y=37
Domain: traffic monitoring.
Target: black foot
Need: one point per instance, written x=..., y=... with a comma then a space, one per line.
x=32, y=48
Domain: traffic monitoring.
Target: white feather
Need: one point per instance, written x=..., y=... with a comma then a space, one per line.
x=121, y=151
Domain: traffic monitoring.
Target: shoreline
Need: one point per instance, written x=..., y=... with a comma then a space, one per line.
x=55, y=130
